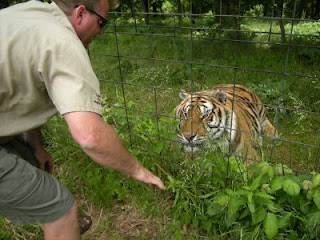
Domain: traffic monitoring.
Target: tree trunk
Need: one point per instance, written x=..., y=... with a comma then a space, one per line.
x=302, y=8
x=279, y=10
x=154, y=9
x=316, y=10
x=235, y=26
x=146, y=10
x=179, y=11
x=265, y=8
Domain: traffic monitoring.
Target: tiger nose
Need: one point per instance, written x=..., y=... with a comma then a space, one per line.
x=189, y=137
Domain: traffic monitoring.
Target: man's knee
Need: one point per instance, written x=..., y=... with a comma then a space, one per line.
x=69, y=217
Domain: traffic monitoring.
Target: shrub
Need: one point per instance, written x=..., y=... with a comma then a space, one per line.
x=219, y=195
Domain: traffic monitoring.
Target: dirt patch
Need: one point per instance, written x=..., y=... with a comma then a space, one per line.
x=122, y=221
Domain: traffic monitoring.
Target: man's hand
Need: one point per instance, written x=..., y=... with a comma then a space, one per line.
x=145, y=176
x=44, y=159
x=33, y=138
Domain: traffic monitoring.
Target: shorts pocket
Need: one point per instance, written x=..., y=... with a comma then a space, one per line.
x=7, y=162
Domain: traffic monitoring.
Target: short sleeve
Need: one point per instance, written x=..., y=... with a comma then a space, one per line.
x=69, y=78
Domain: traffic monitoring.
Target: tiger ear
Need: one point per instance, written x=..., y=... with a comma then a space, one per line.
x=221, y=96
x=183, y=94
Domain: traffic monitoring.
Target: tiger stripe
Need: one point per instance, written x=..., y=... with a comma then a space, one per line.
x=228, y=111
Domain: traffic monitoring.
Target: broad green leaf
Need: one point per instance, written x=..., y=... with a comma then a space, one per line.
x=235, y=204
x=315, y=180
x=310, y=194
x=229, y=191
x=230, y=219
x=274, y=207
x=258, y=215
x=264, y=167
x=307, y=185
x=291, y=187
x=242, y=192
x=214, y=209
x=255, y=184
x=263, y=201
x=271, y=225
x=270, y=172
x=261, y=168
x=284, y=220
x=304, y=204
x=276, y=183
x=246, y=188
x=244, y=214
x=266, y=188
x=264, y=195
x=316, y=197
x=207, y=225
x=222, y=200
x=250, y=196
x=195, y=221
x=160, y=146
x=251, y=206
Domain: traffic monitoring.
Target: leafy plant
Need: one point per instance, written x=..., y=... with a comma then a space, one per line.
x=307, y=32
x=269, y=200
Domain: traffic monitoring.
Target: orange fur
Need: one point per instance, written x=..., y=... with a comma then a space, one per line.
x=226, y=112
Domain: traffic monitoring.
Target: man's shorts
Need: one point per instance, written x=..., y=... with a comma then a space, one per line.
x=28, y=194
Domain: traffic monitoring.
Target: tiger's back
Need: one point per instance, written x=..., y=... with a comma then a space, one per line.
x=228, y=114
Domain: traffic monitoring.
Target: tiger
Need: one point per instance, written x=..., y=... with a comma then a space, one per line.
x=229, y=114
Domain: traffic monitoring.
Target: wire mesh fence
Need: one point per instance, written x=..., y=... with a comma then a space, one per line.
x=159, y=53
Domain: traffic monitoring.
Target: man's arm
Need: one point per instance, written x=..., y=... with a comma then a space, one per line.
x=33, y=138
x=101, y=143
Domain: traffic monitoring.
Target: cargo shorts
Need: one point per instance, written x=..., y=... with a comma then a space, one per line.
x=28, y=194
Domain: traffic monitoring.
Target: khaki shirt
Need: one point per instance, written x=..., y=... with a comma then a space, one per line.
x=44, y=68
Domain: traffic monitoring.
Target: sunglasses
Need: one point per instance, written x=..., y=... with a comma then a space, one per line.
x=102, y=21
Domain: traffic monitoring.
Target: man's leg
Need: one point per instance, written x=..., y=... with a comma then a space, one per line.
x=65, y=228
x=29, y=195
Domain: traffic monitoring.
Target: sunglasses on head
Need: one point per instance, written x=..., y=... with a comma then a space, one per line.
x=102, y=21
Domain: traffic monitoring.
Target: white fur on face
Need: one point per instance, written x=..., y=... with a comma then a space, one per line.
x=215, y=128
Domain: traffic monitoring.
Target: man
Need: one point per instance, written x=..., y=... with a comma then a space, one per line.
x=44, y=70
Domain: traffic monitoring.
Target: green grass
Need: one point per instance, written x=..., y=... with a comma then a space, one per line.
x=151, y=72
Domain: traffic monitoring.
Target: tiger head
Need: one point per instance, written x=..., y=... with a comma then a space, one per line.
x=201, y=115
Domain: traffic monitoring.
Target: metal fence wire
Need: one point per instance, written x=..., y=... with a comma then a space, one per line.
x=151, y=80
x=145, y=57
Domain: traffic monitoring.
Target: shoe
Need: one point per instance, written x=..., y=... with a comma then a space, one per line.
x=85, y=223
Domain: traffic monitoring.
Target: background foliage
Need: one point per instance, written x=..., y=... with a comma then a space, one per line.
x=151, y=50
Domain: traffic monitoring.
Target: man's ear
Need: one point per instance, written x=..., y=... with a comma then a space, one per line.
x=78, y=13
